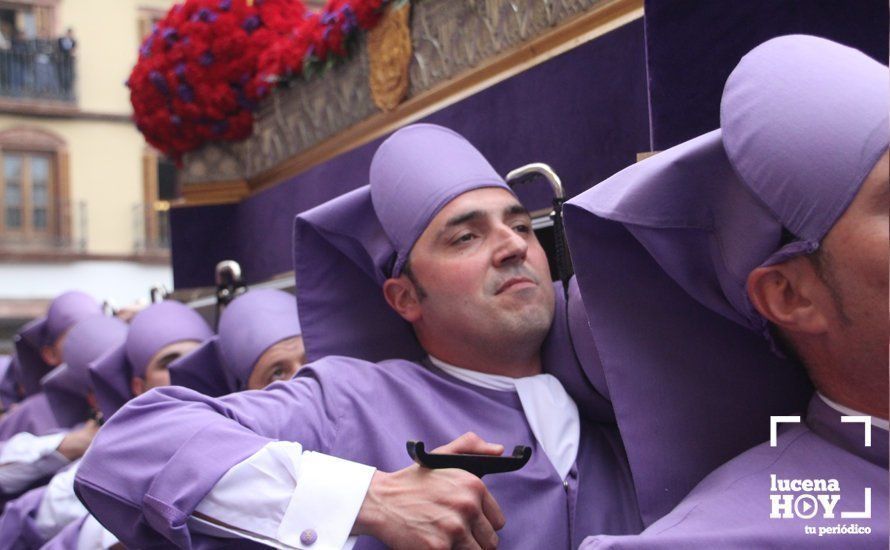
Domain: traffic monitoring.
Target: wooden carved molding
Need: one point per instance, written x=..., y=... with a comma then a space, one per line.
x=389, y=56
x=29, y=138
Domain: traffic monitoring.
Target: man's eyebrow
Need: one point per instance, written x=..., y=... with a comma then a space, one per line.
x=463, y=218
x=515, y=209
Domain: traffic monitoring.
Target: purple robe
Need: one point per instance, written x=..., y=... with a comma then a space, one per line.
x=731, y=508
x=662, y=251
x=66, y=539
x=64, y=312
x=33, y=415
x=17, y=528
x=331, y=407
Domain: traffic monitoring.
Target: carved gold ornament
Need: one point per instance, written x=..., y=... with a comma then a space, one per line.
x=389, y=53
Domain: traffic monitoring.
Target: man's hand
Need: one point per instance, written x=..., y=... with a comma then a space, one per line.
x=78, y=441
x=437, y=509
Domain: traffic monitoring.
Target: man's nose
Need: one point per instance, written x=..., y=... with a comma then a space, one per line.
x=511, y=247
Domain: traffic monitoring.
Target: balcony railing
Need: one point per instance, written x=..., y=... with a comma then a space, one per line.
x=37, y=69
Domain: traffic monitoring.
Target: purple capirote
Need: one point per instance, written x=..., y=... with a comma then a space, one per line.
x=63, y=313
x=250, y=325
x=663, y=249
x=346, y=248
x=68, y=385
x=152, y=329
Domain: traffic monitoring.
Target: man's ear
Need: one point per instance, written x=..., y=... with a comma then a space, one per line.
x=401, y=295
x=788, y=295
x=49, y=355
x=137, y=386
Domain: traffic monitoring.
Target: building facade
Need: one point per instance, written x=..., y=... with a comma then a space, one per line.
x=83, y=199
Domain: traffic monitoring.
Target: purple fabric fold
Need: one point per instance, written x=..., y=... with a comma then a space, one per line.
x=67, y=386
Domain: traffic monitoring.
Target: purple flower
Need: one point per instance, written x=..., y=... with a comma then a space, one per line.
x=350, y=21
x=225, y=5
x=251, y=24
x=205, y=15
x=185, y=93
x=179, y=70
x=206, y=58
x=220, y=127
x=175, y=120
x=156, y=78
x=169, y=35
x=328, y=17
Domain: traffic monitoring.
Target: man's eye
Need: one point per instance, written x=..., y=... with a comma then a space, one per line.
x=465, y=238
x=522, y=228
x=278, y=374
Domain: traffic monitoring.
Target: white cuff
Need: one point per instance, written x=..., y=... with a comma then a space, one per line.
x=286, y=499
x=25, y=458
x=325, y=503
x=93, y=536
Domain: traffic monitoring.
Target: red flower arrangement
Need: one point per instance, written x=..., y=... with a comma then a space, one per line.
x=206, y=65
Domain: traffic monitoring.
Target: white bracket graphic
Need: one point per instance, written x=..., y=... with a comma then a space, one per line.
x=865, y=420
x=774, y=421
x=865, y=514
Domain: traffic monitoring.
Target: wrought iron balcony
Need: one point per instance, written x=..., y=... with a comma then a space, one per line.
x=37, y=69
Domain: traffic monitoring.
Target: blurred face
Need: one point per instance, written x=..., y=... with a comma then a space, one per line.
x=280, y=362
x=482, y=279
x=156, y=373
x=853, y=268
x=52, y=354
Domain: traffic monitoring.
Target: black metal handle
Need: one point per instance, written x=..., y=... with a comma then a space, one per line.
x=478, y=465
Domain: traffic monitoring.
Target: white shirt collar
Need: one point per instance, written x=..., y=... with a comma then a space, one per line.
x=550, y=412
x=875, y=421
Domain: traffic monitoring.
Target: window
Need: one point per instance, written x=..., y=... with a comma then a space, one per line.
x=28, y=185
x=34, y=210
x=152, y=215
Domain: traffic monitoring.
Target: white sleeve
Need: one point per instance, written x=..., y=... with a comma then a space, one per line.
x=93, y=536
x=25, y=458
x=59, y=505
x=286, y=498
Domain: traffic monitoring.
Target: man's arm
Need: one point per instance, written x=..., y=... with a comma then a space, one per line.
x=161, y=455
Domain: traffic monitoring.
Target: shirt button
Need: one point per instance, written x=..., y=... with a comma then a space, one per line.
x=308, y=537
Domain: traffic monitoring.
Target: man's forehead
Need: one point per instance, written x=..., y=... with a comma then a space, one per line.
x=488, y=200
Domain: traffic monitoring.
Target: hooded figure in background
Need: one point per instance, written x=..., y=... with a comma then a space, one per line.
x=38, y=350
x=433, y=270
x=755, y=248
x=259, y=343
x=158, y=335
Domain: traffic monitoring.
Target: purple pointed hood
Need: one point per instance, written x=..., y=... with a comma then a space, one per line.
x=662, y=251
x=67, y=385
x=251, y=324
x=152, y=329
x=63, y=313
x=346, y=248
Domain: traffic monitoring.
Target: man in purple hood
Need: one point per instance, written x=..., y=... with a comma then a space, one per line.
x=39, y=350
x=431, y=280
x=771, y=232
x=157, y=336
x=259, y=342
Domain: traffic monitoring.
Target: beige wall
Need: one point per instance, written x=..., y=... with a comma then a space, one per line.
x=107, y=48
